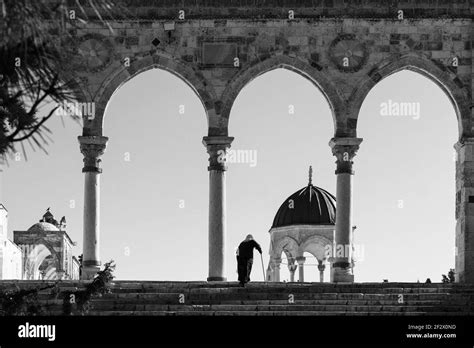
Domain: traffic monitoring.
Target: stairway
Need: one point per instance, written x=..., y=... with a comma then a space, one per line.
x=259, y=298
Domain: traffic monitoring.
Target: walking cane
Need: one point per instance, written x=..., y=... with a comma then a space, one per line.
x=263, y=269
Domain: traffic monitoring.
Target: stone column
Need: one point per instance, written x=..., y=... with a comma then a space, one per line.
x=92, y=147
x=216, y=148
x=321, y=268
x=269, y=274
x=292, y=268
x=301, y=260
x=276, y=269
x=464, y=253
x=344, y=149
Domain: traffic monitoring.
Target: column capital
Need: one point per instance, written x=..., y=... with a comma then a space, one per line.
x=345, y=150
x=217, y=149
x=464, y=150
x=462, y=142
x=321, y=266
x=300, y=259
x=92, y=147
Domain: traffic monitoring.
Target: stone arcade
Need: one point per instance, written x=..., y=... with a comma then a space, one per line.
x=218, y=47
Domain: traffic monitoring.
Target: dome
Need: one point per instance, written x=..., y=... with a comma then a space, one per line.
x=43, y=227
x=309, y=206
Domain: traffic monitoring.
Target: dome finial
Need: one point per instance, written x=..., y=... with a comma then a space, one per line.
x=310, y=182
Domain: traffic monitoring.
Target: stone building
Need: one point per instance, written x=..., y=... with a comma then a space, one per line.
x=44, y=251
x=10, y=253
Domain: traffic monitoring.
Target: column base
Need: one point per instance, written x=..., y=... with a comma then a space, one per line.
x=342, y=275
x=466, y=277
x=60, y=275
x=89, y=272
x=464, y=270
x=216, y=279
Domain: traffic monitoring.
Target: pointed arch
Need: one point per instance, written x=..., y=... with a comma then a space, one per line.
x=256, y=68
x=449, y=82
x=286, y=243
x=193, y=78
x=315, y=245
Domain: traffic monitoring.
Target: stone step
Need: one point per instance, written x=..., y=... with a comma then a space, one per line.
x=265, y=313
x=294, y=307
x=260, y=285
x=255, y=297
x=264, y=295
x=283, y=296
x=107, y=303
x=284, y=289
x=256, y=313
x=252, y=297
x=259, y=298
x=273, y=307
x=112, y=302
x=301, y=288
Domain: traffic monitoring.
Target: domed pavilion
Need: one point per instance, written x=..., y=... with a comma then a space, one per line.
x=305, y=222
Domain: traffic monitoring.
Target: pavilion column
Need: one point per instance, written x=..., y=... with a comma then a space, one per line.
x=464, y=253
x=344, y=149
x=301, y=260
x=276, y=269
x=92, y=147
x=217, y=147
x=321, y=268
x=269, y=273
x=292, y=268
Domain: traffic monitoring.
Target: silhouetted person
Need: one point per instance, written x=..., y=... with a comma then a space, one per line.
x=245, y=258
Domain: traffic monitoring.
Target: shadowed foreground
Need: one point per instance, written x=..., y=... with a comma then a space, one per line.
x=258, y=298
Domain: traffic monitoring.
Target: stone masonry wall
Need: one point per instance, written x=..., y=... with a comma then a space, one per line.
x=314, y=47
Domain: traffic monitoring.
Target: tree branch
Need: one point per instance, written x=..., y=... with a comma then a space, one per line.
x=34, y=129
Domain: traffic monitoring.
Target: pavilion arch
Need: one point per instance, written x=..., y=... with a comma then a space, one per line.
x=51, y=274
x=34, y=257
x=289, y=256
x=286, y=243
x=301, y=67
x=194, y=79
x=446, y=80
x=319, y=241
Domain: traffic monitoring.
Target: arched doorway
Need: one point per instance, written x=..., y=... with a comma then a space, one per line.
x=155, y=185
x=405, y=192
x=283, y=122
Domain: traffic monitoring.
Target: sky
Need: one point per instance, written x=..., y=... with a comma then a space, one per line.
x=154, y=186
